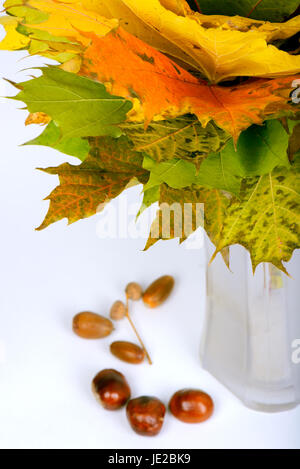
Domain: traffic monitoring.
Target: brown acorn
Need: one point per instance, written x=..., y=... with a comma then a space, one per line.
x=128, y=352
x=111, y=389
x=92, y=326
x=146, y=415
x=191, y=405
x=158, y=291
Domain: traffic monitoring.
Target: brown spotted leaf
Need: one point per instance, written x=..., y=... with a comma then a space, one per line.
x=183, y=211
x=183, y=138
x=267, y=219
x=294, y=142
x=106, y=172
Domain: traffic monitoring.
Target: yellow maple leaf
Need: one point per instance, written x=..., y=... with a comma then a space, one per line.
x=220, y=47
x=13, y=40
x=68, y=19
x=223, y=47
x=134, y=25
x=180, y=7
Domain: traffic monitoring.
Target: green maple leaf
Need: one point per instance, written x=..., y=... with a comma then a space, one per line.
x=183, y=138
x=51, y=137
x=176, y=173
x=217, y=172
x=150, y=197
x=109, y=168
x=266, y=219
x=259, y=150
x=268, y=10
x=79, y=106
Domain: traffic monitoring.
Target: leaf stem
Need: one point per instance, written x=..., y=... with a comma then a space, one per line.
x=136, y=332
x=12, y=6
x=198, y=6
x=255, y=6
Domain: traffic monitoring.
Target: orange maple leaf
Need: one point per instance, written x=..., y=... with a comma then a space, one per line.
x=133, y=69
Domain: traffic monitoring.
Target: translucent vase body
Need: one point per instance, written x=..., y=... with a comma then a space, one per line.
x=251, y=339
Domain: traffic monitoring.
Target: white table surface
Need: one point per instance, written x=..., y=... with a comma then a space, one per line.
x=47, y=277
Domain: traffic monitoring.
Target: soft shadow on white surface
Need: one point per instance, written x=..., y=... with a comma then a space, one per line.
x=47, y=277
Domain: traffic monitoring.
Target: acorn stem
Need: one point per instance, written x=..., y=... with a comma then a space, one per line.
x=136, y=332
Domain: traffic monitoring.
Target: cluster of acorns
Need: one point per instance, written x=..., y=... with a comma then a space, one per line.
x=146, y=413
x=94, y=326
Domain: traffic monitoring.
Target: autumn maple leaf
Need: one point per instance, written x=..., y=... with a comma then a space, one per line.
x=219, y=47
x=165, y=89
x=159, y=87
x=175, y=99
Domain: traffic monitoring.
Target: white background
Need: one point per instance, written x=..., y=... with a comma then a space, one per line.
x=47, y=277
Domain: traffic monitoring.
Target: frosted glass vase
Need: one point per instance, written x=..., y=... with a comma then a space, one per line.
x=251, y=339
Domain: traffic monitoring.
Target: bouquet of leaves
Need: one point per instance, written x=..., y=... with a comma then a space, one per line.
x=197, y=101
